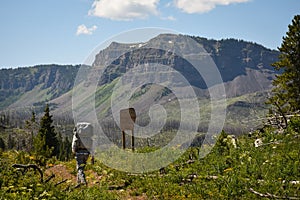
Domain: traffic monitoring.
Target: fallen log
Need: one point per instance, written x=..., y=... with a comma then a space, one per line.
x=268, y=195
x=26, y=167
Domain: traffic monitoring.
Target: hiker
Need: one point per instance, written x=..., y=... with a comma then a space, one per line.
x=82, y=148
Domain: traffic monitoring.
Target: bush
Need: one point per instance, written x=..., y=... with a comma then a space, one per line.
x=294, y=124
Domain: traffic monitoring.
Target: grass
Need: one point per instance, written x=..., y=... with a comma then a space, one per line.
x=225, y=173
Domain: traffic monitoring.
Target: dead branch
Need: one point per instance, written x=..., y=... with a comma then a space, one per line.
x=63, y=181
x=49, y=178
x=116, y=187
x=212, y=177
x=190, y=161
x=268, y=195
x=26, y=167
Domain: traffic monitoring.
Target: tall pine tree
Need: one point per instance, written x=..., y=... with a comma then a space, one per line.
x=286, y=93
x=10, y=142
x=48, y=134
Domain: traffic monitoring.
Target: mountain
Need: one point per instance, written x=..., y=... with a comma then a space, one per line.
x=236, y=61
x=245, y=68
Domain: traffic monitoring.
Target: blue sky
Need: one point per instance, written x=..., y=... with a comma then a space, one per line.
x=66, y=31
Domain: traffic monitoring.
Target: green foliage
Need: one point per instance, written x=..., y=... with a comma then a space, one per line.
x=41, y=150
x=286, y=92
x=18, y=184
x=93, y=193
x=294, y=124
x=225, y=173
x=65, y=148
x=222, y=147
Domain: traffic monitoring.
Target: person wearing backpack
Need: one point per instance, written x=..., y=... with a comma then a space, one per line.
x=82, y=148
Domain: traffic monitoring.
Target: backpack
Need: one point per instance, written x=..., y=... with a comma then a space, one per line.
x=83, y=137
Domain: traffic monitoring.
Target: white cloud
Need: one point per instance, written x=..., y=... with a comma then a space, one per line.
x=202, y=6
x=170, y=18
x=124, y=9
x=83, y=30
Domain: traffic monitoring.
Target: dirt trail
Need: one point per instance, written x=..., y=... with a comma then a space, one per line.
x=61, y=173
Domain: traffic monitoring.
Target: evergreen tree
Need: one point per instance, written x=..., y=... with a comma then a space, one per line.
x=32, y=127
x=2, y=120
x=33, y=117
x=10, y=142
x=67, y=149
x=61, y=147
x=2, y=144
x=286, y=92
x=47, y=134
x=65, y=152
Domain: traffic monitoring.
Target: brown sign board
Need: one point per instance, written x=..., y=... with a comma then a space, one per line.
x=127, y=119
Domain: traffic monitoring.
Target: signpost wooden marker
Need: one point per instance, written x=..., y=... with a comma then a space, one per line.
x=127, y=120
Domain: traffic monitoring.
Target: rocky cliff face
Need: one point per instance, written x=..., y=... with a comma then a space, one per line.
x=245, y=67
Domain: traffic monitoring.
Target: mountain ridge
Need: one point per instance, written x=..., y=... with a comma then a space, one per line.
x=245, y=68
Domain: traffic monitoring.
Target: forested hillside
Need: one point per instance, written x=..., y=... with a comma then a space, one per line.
x=50, y=81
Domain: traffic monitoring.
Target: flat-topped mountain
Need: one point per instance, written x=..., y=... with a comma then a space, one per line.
x=245, y=67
